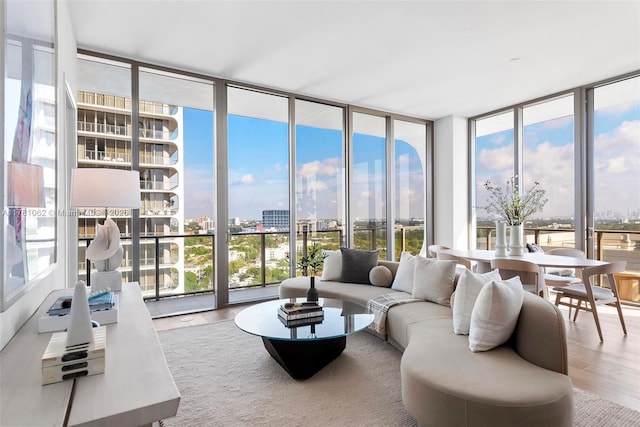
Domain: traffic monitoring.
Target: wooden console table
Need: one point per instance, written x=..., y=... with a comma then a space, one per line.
x=136, y=388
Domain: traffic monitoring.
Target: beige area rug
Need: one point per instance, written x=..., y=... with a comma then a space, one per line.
x=226, y=378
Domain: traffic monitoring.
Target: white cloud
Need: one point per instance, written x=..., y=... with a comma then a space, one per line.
x=246, y=179
x=319, y=185
x=403, y=159
x=617, y=165
x=497, y=159
x=326, y=167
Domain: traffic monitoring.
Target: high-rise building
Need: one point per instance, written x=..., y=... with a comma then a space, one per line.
x=104, y=140
x=276, y=218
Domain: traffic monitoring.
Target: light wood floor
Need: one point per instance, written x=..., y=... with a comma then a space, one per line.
x=610, y=370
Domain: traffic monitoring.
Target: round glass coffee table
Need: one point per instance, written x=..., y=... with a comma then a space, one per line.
x=304, y=350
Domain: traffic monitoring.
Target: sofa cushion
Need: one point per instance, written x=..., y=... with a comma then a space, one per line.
x=404, y=276
x=433, y=279
x=332, y=265
x=401, y=317
x=443, y=383
x=380, y=276
x=356, y=265
x=495, y=314
x=469, y=286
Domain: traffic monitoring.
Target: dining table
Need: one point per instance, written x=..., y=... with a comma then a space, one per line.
x=484, y=257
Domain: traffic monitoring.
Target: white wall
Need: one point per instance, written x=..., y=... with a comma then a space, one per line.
x=451, y=189
x=12, y=319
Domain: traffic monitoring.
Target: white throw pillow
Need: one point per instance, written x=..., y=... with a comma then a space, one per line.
x=469, y=286
x=332, y=266
x=495, y=314
x=404, y=276
x=433, y=279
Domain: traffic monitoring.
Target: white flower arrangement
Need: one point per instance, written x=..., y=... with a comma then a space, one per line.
x=510, y=205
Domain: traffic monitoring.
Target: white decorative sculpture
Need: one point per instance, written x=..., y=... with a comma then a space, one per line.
x=106, y=253
x=80, y=330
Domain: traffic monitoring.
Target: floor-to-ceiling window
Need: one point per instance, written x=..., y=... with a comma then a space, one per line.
x=548, y=159
x=175, y=158
x=410, y=163
x=258, y=191
x=369, y=183
x=616, y=178
x=320, y=166
x=104, y=141
x=494, y=163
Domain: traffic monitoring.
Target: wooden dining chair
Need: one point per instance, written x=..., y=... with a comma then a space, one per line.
x=461, y=261
x=530, y=273
x=563, y=277
x=432, y=250
x=588, y=295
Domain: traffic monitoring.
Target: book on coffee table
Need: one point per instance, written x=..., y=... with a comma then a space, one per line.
x=301, y=322
x=299, y=311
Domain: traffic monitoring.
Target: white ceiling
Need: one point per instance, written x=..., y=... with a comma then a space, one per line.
x=422, y=58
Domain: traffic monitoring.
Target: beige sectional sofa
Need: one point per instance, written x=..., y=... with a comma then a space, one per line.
x=521, y=383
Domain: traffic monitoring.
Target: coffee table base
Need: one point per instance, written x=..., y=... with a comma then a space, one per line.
x=302, y=359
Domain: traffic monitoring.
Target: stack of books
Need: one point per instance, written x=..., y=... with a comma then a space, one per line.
x=60, y=362
x=103, y=307
x=300, y=314
x=97, y=302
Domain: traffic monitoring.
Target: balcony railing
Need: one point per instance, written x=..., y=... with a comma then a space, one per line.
x=102, y=128
x=158, y=185
x=157, y=134
x=105, y=157
x=158, y=159
x=262, y=259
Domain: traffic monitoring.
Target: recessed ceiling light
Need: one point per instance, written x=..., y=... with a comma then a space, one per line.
x=514, y=59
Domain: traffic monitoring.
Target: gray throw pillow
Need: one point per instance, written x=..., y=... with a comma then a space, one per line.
x=356, y=265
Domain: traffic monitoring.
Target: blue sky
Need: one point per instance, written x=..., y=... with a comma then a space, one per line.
x=258, y=169
x=258, y=166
